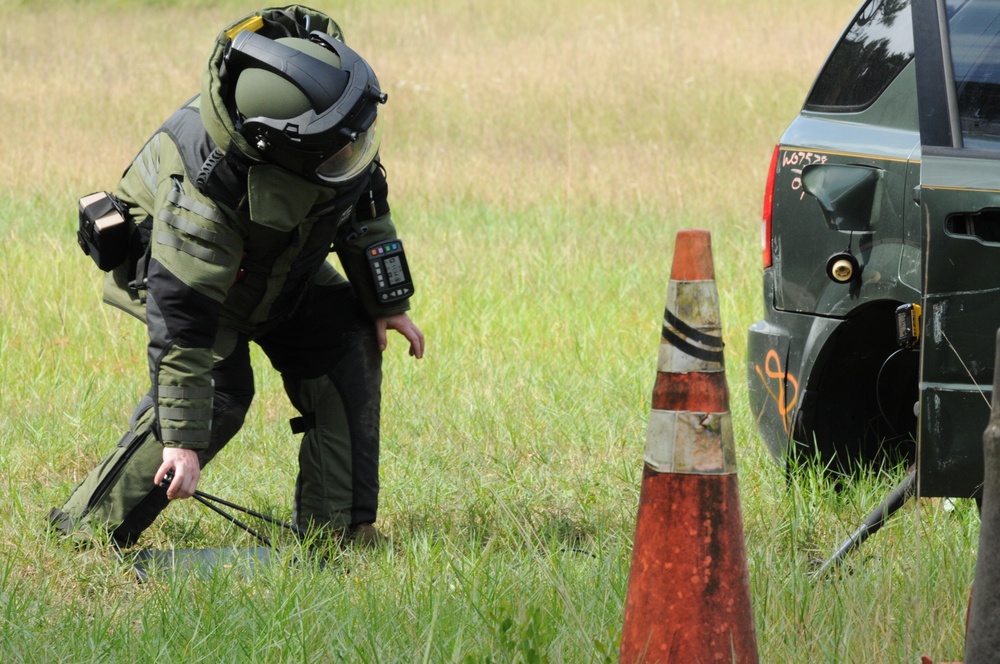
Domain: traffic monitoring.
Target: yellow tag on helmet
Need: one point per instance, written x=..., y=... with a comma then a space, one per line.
x=252, y=24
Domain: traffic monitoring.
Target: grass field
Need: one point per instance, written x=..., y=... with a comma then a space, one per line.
x=541, y=157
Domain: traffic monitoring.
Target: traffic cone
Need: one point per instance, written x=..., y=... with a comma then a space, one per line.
x=688, y=598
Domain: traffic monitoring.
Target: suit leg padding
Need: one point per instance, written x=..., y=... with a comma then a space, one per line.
x=122, y=481
x=324, y=489
x=329, y=358
x=118, y=498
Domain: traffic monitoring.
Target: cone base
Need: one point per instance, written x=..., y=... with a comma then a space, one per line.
x=689, y=592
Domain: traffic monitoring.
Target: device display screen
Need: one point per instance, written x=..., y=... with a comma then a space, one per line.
x=394, y=270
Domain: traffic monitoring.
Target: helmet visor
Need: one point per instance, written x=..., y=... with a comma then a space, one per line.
x=351, y=160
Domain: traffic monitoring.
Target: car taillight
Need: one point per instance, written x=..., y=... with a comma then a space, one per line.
x=765, y=227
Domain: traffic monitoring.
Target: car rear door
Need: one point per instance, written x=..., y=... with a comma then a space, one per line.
x=958, y=71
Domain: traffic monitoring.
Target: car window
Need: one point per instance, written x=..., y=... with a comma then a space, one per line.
x=975, y=51
x=873, y=50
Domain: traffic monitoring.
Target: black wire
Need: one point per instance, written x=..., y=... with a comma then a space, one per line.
x=205, y=499
x=878, y=394
x=232, y=519
x=270, y=519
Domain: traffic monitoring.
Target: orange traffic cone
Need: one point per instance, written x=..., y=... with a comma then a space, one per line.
x=688, y=595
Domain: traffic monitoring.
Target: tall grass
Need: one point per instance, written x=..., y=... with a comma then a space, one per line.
x=541, y=157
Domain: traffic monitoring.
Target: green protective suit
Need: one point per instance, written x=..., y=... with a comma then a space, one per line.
x=228, y=249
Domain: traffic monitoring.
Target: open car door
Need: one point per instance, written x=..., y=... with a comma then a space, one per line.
x=957, y=49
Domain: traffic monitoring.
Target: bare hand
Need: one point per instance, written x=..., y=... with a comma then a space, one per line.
x=402, y=324
x=186, y=468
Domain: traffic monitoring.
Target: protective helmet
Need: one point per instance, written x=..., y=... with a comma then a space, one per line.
x=308, y=105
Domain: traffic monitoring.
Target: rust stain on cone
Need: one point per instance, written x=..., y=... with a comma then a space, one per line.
x=688, y=596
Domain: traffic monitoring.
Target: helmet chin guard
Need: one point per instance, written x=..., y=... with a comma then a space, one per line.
x=332, y=133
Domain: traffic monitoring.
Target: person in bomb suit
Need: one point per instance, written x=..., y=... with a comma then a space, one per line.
x=235, y=204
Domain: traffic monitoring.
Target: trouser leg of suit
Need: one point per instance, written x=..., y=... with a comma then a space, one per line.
x=329, y=359
x=118, y=497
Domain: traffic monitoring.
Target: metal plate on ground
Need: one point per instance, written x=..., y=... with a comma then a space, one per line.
x=150, y=562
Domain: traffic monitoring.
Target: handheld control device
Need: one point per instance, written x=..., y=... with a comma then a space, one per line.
x=390, y=271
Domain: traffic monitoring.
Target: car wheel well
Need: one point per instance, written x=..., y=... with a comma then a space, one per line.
x=857, y=410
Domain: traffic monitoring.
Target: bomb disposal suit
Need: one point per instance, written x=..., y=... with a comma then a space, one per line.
x=232, y=208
